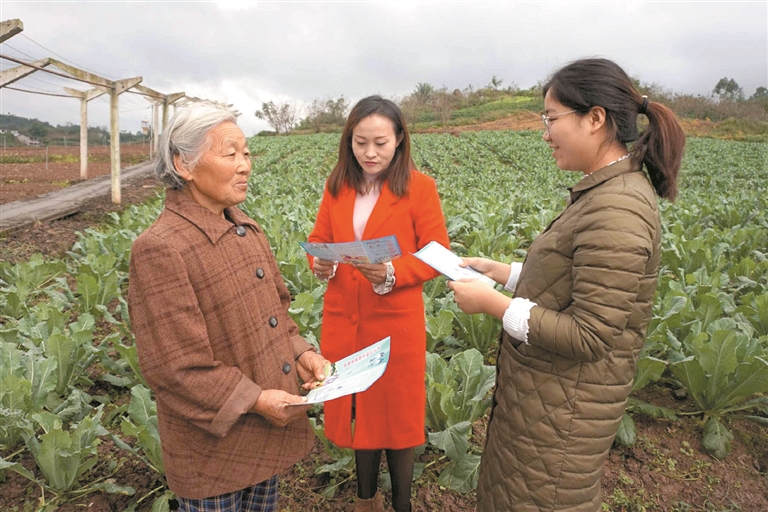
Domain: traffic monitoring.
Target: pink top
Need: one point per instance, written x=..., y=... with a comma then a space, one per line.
x=363, y=207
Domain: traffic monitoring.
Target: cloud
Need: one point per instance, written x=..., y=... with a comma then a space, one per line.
x=236, y=5
x=248, y=53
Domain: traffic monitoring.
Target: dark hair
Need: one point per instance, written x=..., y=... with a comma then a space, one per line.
x=588, y=83
x=348, y=171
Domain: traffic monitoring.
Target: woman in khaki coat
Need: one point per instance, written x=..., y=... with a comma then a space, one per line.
x=582, y=298
x=213, y=335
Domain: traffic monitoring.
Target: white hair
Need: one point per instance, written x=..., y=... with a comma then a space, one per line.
x=187, y=136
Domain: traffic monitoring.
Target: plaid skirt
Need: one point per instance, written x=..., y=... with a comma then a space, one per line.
x=261, y=497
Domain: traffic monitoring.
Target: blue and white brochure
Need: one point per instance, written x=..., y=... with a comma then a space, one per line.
x=353, y=374
x=377, y=250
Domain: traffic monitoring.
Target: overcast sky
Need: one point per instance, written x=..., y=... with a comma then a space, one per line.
x=247, y=53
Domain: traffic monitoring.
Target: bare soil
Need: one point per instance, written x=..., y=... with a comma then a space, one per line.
x=52, y=239
x=532, y=121
x=516, y=121
x=666, y=470
x=24, y=172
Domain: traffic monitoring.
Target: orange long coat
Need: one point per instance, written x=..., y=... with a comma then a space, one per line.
x=390, y=414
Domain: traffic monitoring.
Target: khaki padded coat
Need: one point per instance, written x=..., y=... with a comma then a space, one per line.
x=559, y=399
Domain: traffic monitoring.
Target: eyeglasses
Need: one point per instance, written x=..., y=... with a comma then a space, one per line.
x=548, y=119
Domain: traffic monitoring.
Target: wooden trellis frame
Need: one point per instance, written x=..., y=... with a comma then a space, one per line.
x=102, y=85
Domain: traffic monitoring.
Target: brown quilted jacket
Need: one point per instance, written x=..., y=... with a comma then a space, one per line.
x=559, y=399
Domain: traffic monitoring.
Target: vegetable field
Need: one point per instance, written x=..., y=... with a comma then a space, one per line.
x=69, y=378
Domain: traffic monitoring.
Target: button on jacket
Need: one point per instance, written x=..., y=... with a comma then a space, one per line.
x=560, y=398
x=208, y=341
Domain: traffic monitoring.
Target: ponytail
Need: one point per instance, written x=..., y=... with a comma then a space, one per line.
x=587, y=83
x=660, y=147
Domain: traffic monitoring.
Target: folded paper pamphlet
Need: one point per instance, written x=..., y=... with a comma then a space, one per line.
x=447, y=263
x=353, y=374
x=377, y=250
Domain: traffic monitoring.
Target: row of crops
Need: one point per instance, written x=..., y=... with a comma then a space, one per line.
x=69, y=377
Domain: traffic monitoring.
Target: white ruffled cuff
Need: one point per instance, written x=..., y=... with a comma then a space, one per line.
x=516, y=317
x=331, y=276
x=514, y=273
x=388, y=283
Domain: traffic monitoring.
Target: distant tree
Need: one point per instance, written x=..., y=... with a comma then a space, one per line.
x=443, y=103
x=327, y=112
x=423, y=93
x=314, y=111
x=495, y=83
x=408, y=106
x=761, y=93
x=654, y=91
x=538, y=89
x=282, y=116
x=728, y=89
x=337, y=110
x=471, y=96
x=512, y=88
x=37, y=129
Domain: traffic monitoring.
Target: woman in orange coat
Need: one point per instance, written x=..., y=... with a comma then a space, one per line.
x=375, y=191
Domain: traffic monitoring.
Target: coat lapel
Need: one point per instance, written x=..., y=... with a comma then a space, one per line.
x=380, y=213
x=341, y=216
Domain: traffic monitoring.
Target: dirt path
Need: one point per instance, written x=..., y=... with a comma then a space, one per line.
x=29, y=172
x=25, y=177
x=65, y=202
x=54, y=238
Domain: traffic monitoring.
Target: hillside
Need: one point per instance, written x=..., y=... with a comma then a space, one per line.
x=60, y=135
x=428, y=110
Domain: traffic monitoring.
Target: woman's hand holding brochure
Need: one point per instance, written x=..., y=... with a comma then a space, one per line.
x=451, y=265
x=495, y=270
x=352, y=374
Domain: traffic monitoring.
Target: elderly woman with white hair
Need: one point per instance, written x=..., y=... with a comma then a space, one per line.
x=209, y=310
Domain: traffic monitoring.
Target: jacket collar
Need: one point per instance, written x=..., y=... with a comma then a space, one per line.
x=212, y=225
x=602, y=175
x=343, y=212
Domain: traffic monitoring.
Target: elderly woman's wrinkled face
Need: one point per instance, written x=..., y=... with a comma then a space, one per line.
x=220, y=178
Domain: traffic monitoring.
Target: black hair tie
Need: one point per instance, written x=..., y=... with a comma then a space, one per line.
x=644, y=107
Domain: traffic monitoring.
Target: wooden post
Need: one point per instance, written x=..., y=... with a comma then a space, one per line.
x=165, y=114
x=170, y=99
x=114, y=143
x=159, y=98
x=155, y=131
x=118, y=87
x=151, y=129
x=83, y=139
x=115, y=89
x=85, y=97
